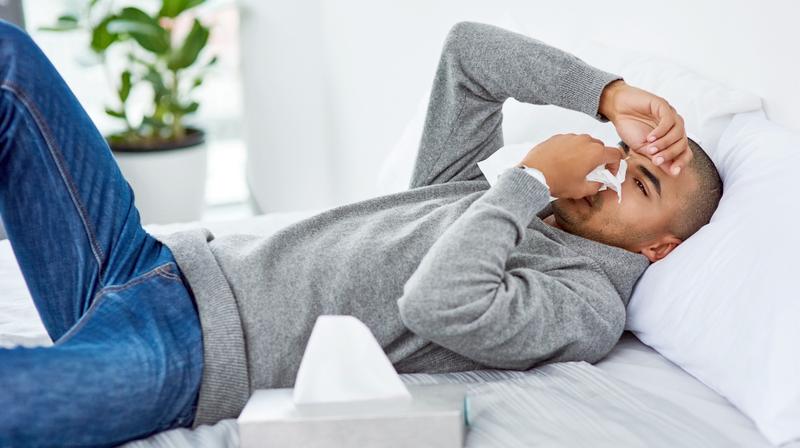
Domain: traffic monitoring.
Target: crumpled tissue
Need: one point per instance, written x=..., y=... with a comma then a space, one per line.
x=604, y=176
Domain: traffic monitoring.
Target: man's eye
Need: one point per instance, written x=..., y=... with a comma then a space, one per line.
x=641, y=186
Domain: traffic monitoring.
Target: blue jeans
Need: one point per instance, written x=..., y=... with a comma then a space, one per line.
x=127, y=356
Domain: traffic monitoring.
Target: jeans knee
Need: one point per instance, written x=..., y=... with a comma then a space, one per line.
x=13, y=39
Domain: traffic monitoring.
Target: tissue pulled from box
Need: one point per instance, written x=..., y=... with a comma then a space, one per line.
x=343, y=362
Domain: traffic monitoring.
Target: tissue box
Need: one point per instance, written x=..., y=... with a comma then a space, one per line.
x=436, y=416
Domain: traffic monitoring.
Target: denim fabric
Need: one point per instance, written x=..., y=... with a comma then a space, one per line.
x=127, y=359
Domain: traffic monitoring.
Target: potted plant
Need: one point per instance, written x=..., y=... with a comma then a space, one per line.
x=159, y=56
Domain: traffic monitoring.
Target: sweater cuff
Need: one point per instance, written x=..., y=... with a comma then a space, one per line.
x=519, y=193
x=225, y=386
x=582, y=86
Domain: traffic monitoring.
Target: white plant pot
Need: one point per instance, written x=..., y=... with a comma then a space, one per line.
x=168, y=185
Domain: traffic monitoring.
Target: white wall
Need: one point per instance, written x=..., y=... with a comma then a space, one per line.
x=329, y=85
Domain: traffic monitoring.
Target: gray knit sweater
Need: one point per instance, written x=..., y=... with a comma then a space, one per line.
x=449, y=275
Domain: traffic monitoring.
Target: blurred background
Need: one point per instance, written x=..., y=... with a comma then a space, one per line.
x=220, y=111
x=306, y=100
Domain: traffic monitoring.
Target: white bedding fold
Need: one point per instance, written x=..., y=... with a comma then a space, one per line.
x=572, y=404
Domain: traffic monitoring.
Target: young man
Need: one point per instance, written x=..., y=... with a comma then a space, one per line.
x=449, y=275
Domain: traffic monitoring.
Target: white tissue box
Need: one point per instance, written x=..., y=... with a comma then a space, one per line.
x=434, y=417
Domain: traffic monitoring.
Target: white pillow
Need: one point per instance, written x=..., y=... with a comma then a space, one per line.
x=725, y=305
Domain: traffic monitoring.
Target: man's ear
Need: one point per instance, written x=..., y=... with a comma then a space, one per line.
x=660, y=248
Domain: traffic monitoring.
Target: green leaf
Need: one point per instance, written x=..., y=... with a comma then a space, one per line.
x=125, y=85
x=173, y=8
x=68, y=18
x=102, y=38
x=155, y=79
x=115, y=113
x=144, y=29
x=190, y=108
x=179, y=109
x=67, y=22
x=187, y=54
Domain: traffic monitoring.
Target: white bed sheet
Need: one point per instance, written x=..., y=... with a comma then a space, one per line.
x=630, y=362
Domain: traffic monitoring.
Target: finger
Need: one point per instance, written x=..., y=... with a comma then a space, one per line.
x=611, y=155
x=591, y=188
x=672, y=138
x=671, y=152
x=593, y=139
x=613, y=167
x=665, y=158
x=673, y=135
x=666, y=120
x=681, y=162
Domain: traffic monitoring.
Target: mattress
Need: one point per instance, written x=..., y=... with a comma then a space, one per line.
x=634, y=397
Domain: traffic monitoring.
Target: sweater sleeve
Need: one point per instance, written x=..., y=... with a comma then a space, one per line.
x=480, y=67
x=462, y=297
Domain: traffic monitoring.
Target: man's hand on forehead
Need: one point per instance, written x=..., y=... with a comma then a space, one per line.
x=648, y=124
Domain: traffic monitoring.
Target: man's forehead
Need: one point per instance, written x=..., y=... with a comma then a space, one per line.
x=643, y=166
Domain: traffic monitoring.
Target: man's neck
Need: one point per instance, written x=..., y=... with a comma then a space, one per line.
x=551, y=221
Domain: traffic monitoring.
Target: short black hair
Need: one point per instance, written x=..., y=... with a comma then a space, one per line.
x=697, y=210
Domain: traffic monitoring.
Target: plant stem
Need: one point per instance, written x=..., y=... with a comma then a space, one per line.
x=110, y=80
x=178, y=131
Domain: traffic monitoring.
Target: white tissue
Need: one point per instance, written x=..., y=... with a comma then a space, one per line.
x=603, y=175
x=343, y=362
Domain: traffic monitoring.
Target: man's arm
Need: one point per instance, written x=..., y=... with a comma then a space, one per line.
x=480, y=67
x=464, y=296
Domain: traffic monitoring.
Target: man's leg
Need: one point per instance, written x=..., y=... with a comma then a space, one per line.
x=67, y=209
x=126, y=331
x=130, y=367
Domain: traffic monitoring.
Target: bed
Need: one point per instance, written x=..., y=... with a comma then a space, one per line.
x=634, y=397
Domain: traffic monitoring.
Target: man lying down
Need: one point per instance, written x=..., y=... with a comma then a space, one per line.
x=449, y=275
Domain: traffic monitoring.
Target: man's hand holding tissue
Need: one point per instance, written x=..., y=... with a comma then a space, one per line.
x=648, y=125
x=566, y=160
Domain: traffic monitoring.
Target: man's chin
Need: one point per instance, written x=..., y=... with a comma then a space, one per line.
x=572, y=216
x=568, y=214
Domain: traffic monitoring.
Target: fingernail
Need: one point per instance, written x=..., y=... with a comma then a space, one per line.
x=658, y=160
x=652, y=149
x=651, y=138
x=676, y=170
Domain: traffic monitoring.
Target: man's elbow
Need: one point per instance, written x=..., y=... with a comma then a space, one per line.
x=425, y=295
x=602, y=340
x=438, y=313
x=417, y=312
x=459, y=37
